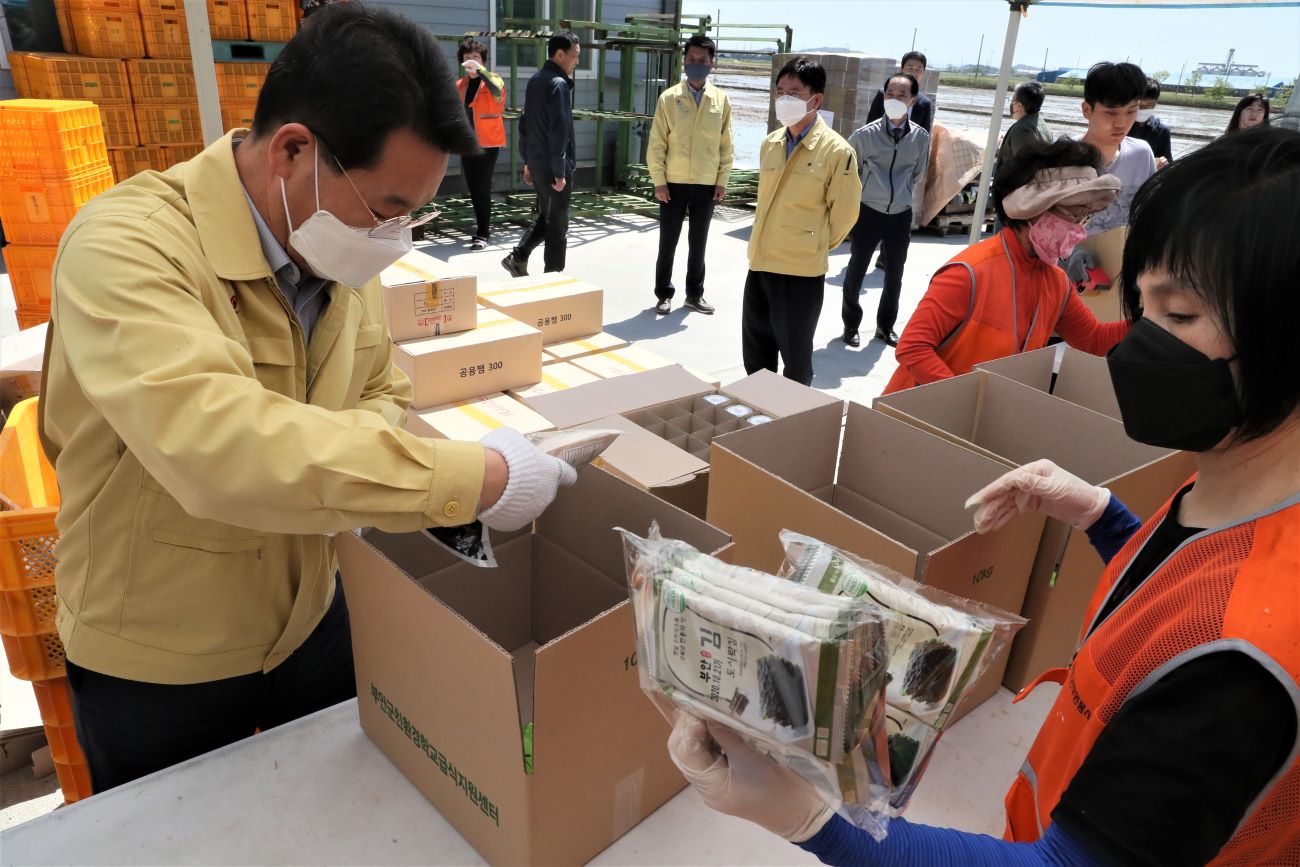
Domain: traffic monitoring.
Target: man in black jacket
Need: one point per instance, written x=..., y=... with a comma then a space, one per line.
x=546, y=139
x=922, y=112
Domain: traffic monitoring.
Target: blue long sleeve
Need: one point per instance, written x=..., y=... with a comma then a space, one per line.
x=909, y=845
x=1114, y=528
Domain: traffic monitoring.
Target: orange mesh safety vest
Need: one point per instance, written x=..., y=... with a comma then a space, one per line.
x=1234, y=587
x=488, y=122
x=990, y=329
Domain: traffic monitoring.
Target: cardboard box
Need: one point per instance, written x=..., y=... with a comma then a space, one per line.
x=1080, y=378
x=1107, y=304
x=474, y=419
x=621, y=362
x=660, y=410
x=21, y=358
x=571, y=349
x=500, y=354
x=562, y=308
x=454, y=661
x=1016, y=424
x=556, y=377
x=425, y=297
x=898, y=501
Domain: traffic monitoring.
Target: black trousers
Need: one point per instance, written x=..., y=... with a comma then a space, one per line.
x=129, y=728
x=551, y=226
x=894, y=233
x=695, y=200
x=779, y=316
x=477, y=170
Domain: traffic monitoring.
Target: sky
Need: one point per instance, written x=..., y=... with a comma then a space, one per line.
x=949, y=31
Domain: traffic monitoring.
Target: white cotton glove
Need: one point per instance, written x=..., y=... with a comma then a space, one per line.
x=534, y=478
x=472, y=66
x=743, y=783
x=1039, y=487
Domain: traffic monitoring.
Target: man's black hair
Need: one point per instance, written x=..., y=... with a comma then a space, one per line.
x=469, y=45
x=1152, y=90
x=910, y=79
x=1114, y=85
x=1030, y=95
x=1033, y=158
x=353, y=75
x=562, y=41
x=913, y=55
x=1222, y=222
x=699, y=40
x=808, y=71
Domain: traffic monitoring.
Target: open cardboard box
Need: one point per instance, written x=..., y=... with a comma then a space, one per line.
x=670, y=421
x=898, y=501
x=1081, y=378
x=1016, y=424
x=453, y=661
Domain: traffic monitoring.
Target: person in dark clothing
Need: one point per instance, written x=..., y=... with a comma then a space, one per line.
x=483, y=93
x=1152, y=129
x=920, y=113
x=546, y=139
x=1026, y=101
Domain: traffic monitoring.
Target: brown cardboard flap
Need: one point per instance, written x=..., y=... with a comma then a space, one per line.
x=949, y=405
x=568, y=592
x=898, y=527
x=622, y=394
x=498, y=602
x=992, y=568
x=1033, y=369
x=418, y=555
x=801, y=449
x=777, y=396
x=643, y=458
x=1085, y=379
x=598, y=750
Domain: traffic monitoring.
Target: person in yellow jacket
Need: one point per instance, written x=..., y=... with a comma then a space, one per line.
x=808, y=193
x=220, y=400
x=689, y=158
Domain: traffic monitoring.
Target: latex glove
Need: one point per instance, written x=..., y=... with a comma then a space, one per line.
x=743, y=783
x=1077, y=265
x=1040, y=487
x=534, y=478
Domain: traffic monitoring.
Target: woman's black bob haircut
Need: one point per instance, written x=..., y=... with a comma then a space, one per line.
x=1223, y=222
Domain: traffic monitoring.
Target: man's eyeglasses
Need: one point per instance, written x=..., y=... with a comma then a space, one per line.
x=383, y=228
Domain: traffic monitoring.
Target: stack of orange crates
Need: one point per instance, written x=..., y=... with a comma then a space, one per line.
x=52, y=161
x=272, y=20
x=29, y=501
x=101, y=80
x=165, y=31
x=107, y=28
x=238, y=85
x=228, y=19
x=166, y=102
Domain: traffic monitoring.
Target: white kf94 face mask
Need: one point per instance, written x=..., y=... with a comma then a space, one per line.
x=790, y=110
x=336, y=251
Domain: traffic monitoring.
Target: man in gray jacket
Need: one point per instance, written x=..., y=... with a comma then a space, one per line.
x=892, y=154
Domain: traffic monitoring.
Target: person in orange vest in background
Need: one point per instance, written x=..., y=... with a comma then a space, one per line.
x=1006, y=294
x=1174, y=737
x=484, y=95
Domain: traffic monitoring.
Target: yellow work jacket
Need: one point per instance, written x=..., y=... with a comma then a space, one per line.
x=807, y=204
x=691, y=144
x=204, y=453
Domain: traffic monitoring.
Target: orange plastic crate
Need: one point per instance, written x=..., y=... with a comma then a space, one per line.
x=34, y=657
x=272, y=20
x=63, y=76
x=54, y=699
x=37, y=211
x=173, y=154
x=166, y=35
x=119, y=126
x=30, y=317
x=63, y=12
x=29, y=267
x=161, y=81
x=46, y=138
x=108, y=33
x=240, y=82
x=129, y=162
x=169, y=123
x=74, y=780
x=18, y=68
x=64, y=748
x=237, y=115
x=228, y=19
x=162, y=7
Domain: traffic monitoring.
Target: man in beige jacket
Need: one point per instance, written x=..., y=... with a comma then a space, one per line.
x=219, y=400
x=689, y=158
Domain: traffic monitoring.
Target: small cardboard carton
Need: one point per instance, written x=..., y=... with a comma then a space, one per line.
x=474, y=419
x=621, y=362
x=571, y=349
x=562, y=308
x=500, y=354
x=898, y=501
x=425, y=297
x=1016, y=424
x=1082, y=379
x=556, y=377
x=460, y=669
x=21, y=358
x=671, y=418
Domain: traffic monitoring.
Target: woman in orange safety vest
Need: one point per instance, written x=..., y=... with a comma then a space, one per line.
x=484, y=94
x=1173, y=739
x=1006, y=294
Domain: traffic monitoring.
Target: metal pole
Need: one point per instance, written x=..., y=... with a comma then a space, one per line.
x=913, y=48
x=600, y=105
x=979, y=57
x=205, y=70
x=995, y=121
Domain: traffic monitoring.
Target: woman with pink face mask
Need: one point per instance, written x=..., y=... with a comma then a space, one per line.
x=1006, y=295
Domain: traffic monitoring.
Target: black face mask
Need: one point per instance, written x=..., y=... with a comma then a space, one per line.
x=1171, y=395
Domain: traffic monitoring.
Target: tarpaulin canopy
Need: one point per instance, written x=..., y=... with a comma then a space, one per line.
x=1019, y=9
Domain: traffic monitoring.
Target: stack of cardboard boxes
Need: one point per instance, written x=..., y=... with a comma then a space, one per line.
x=852, y=81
